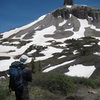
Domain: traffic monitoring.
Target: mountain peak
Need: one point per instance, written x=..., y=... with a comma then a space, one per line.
x=66, y=40
x=68, y=2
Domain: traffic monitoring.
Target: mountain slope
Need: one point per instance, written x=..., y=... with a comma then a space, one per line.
x=64, y=40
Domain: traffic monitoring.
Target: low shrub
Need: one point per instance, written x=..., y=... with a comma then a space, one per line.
x=36, y=93
x=59, y=82
x=94, y=83
x=54, y=82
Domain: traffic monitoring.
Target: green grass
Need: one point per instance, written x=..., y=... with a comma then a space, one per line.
x=36, y=93
x=93, y=83
x=53, y=82
x=49, y=86
x=4, y=91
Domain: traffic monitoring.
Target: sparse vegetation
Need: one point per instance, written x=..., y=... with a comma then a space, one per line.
x=54, y=82
x=50, y=86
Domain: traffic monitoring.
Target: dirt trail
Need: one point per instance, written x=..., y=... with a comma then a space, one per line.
x=82, y=93
x=88, y=93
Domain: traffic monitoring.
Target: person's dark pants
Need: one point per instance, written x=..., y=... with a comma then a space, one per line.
x=25, y=93
x=19, y=94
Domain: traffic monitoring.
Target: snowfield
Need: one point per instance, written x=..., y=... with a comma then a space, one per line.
x=4, y=64
x=11, y=32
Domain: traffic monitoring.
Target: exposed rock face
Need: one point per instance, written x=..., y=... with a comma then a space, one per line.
x=68, y=2
x=82, y=12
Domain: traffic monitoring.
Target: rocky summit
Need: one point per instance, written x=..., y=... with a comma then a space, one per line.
x=66, y=40
x=68, y=2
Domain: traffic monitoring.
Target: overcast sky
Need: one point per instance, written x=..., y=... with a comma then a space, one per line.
x=15, y=13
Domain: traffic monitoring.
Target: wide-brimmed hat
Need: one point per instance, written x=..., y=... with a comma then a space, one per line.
x=24, y=59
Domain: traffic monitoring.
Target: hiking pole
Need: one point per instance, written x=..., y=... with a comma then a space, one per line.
x=10, y=95
x=10, y=92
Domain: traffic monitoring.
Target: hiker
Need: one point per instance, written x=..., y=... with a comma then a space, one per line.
x=20, y=75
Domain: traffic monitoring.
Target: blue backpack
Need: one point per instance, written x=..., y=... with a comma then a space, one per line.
x=16, y=75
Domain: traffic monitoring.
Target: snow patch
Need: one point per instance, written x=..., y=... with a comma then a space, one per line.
x=2, y=77
x=62, y=23
x=31, y=52
x=16, y=42
x=49, y=53
x=94, y=27
x=87, y=45
x=69, y=24
x=68, y=6
x=75, y=52
x=98, y=43
x=80, y=71
x=97, y=53
x=61, y=57
x=56, y=66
